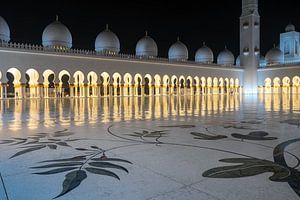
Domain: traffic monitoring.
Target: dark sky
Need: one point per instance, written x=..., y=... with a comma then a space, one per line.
x=215, y=22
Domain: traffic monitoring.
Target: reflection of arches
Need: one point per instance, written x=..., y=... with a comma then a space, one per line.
x=33, y=77
x=148, y=85
x=138, y=84
x=127, y=90
x=268, y=85
x=117, y=84
x=105, y=78
x=157, y=80
x=92, y=79
x=64, y=83
x=14, y=88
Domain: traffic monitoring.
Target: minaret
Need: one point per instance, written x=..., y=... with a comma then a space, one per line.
x=250, y=44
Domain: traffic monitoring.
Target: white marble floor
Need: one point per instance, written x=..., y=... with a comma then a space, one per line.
x=212, y=148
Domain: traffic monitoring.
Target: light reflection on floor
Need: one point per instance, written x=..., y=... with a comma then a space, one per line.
x=168, y=132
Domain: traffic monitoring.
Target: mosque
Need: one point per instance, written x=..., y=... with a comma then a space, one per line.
x=55, y=69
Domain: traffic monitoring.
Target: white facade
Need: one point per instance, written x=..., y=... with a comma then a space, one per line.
x=57, y=70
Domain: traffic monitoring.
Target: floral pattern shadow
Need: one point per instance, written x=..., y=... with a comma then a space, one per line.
x=92, y=160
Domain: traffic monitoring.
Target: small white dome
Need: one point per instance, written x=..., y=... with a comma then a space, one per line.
x=204, y=55
x=146, y=47
x=4, y=31
x=225, y=57
x=274, y=56
x=238, y=61
x=107, y=42
x=178, y=52
x=290, y=28
x=262, y=61
x=56, y=35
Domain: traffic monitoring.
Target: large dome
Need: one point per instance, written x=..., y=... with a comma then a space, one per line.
x=178, y=52
x=204, y=55
x=4, y=31
x=57, y=35
x=274, y=56
x=146, y=47
x=225, y=57
x=290, y=28
x=107, y=42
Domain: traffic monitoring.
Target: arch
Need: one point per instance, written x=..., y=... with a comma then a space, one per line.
x=105, y=79
x=226, y=85
x=286, y=81
x=237, y=85
x=127, y=79
x=127, y=89
x=92, y=79
x=78, y=77
x=237, y=82
x=166, y=84
x=296, y=85
x=203, y=85
x=33, y=77
x=221, y=85
x=209, y=82
x=157, y=83
x=117, y=78
x=138, y=81
x=14, y=83
x=276, y=82
x=0, y=75
x=46, y=75
x=16, y=75
x=64, y=83
x=276, y=85
x=174, y=84
x=189, y=82
x=296, y=81
x=148, y=84
x=268, y=82
x=197, y=85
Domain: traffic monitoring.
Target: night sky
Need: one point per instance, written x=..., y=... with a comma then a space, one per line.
x=215, y=22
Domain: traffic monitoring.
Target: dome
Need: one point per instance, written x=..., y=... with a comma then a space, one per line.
x=178, y=52
x=146, y=47
x=238, y=61
x=290, y=28
x=274, y=56
x=225, y=57
x=262, y=61
x=204, y=55
x=56, y=35
x=4, y=31
x=107, y=42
